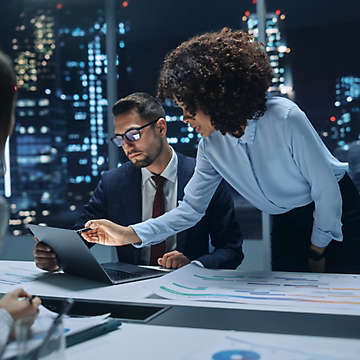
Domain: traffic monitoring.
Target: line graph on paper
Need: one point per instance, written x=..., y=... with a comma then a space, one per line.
x=300, y=290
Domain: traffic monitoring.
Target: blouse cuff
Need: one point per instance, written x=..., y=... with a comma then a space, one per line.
x=143, y=242
x=322, y=238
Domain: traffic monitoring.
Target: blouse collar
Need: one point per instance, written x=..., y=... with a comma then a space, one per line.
x=249, y=134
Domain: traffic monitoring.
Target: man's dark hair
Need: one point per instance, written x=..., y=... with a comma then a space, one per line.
x=226, y=74
x=8, y=90
x=148, y=107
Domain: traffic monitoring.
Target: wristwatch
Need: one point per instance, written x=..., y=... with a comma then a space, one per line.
x=314, y=255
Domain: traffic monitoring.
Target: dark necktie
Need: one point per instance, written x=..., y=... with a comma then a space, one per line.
x=158, y=250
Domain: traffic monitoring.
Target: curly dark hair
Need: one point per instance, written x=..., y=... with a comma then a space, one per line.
x=226, y=74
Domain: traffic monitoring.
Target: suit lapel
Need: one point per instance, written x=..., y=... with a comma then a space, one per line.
x=132, y=212
x=132, y=195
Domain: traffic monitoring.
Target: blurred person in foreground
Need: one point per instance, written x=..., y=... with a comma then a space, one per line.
x=264, y=147
x=14, y=305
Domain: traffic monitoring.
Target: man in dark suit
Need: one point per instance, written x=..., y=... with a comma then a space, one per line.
x=131, y=193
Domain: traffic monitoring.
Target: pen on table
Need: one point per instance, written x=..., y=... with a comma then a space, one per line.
x=31, y=298
x=68, y=303
x=83, y=230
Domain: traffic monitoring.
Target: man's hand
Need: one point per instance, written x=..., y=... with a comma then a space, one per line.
x=20, y=309
x=317, y=265
x=45, y=258
x=173, y=260
x=105, y=232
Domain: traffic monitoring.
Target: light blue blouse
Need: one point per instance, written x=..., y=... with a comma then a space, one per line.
x=6, y=324
x=280, y=163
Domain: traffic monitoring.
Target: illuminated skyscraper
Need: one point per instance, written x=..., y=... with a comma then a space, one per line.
x=59, y=145
x=345, y=124
x=276, y=49
x=81, y=89
x=35, y=182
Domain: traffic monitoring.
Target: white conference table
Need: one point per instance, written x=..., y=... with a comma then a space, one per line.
x=140, y=342
x=153, y=340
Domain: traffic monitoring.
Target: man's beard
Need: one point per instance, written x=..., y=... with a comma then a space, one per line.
x=143, y=163
x=148, y=160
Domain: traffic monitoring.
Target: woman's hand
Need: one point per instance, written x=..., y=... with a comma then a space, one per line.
x=20, y=309
x=317, y=263
x=105, y=232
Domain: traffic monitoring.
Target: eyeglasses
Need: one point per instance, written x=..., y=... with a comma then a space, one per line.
x=130, y=135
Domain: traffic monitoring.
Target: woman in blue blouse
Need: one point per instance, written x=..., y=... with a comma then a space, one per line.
x=265, y=148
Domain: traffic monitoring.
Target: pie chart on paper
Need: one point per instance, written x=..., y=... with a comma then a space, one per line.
x=236, y=355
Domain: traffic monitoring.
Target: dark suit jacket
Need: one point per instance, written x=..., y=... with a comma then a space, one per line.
x=118, y=198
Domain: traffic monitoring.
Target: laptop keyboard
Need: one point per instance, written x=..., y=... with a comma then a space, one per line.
x=117, y=275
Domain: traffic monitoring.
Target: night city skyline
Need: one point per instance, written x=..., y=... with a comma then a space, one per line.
x=60, y=59
x=317, y=32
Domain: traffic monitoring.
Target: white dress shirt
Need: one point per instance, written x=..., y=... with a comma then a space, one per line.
x=148, y=190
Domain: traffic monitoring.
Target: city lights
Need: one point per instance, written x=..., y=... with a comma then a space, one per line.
x=276, y=49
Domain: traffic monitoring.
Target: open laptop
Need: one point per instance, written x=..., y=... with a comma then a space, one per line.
x=76, y=259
